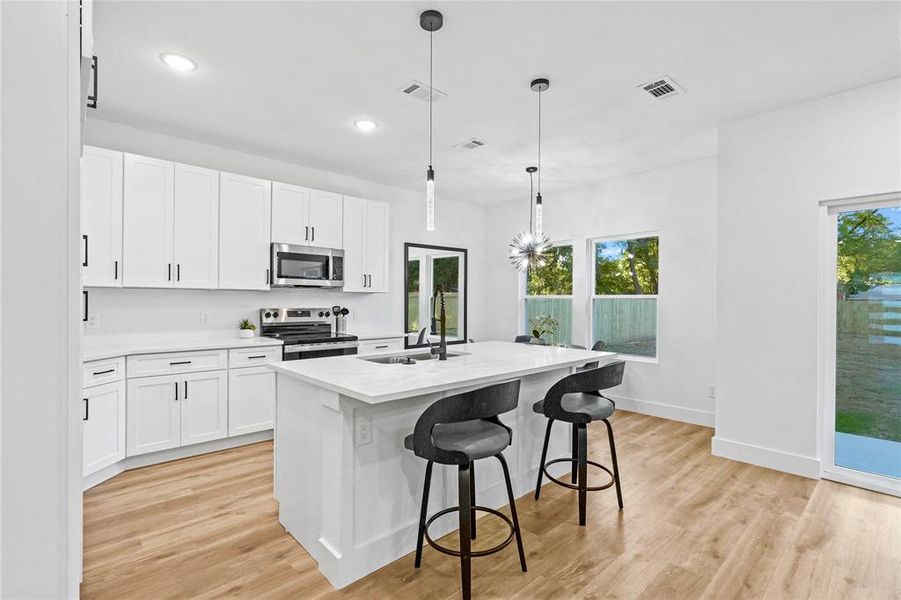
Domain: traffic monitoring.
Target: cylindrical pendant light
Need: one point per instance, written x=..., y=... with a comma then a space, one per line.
x=539, y=85
x=431, y=21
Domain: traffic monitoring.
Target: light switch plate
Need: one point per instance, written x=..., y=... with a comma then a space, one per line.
x=362, y=430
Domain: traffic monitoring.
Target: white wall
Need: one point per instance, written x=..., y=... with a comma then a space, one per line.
x=39, y=297
x=679, y=202
x=774, y=169
x=457, y=224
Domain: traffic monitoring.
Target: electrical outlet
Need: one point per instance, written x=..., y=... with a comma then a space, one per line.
x=711, y=391
x=93, y=320
x=204, y=316
x=362, y=431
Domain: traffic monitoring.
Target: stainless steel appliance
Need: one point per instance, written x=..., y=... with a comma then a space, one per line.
x=306, y=266
x=307, y=333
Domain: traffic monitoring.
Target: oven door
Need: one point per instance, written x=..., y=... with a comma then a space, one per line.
x=303, y=266
x=304, y=351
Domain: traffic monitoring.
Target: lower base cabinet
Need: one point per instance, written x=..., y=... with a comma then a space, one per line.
x=104, y=426
x=251, y=400
x=168, y=411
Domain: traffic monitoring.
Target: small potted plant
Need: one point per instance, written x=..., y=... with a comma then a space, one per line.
x=246, y=329
x=542, y=324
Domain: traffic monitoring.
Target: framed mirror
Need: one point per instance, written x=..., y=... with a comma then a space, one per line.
x=426, y=268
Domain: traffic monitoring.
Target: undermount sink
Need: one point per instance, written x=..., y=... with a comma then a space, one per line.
x=407, y=359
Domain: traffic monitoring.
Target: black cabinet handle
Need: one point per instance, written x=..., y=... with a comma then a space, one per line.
x=87, y=409
x=306, y=233
x=178, y=272
x=181, y=362
x=313, y=229
x=85, y=318
x=267, y=275
x=176, y=391
x=84, y=236
x=186, y=390
x=92, y=98
x=116, y=270
x=380, y=347
x=103, y=372
x=169, y=276
x=259, y=356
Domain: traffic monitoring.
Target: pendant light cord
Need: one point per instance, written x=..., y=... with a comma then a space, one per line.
x=539, y=140
x=531, y=202
x=431, y=93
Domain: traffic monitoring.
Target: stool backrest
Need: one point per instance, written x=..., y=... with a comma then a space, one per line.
x=422, y=333
x=484, y=403
x=586, y=382
x=598, y=346
x=523, y=339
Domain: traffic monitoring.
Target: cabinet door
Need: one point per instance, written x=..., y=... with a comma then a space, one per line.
x=290, y=210
x=154, y=414
x=244, y=204
x=101, y=217
x=148, y=215
x=375, y=249
x=204, y=407
x=354, y=215
x=251, y=400
x=104, y=426
x=325, y=219
x=196, y=250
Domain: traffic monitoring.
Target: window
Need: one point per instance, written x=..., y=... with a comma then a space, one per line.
x=624, y=301
x=548, y=304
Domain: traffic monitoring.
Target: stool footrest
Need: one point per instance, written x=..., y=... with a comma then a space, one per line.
x=573, y=486
x=451, y=551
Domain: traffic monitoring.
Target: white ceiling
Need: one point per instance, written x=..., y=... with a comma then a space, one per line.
x=287, y=80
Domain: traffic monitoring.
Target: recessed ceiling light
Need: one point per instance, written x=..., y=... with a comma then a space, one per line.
x=178, y=62
x=365, y=125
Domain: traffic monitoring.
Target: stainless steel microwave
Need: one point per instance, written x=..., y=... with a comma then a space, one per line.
x=306, y=266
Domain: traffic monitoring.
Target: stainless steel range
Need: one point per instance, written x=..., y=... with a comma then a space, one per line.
x=307, y=332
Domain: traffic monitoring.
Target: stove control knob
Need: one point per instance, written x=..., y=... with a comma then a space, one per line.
x=328, y=314
x=275, y=315
x=321, y=314
x=268, y=315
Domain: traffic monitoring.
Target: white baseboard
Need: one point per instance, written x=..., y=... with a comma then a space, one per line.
x=664, y=411
x=154, y=458
x=805, y=466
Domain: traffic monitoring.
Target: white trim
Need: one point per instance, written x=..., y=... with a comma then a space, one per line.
x=797, y=464
x=826, y=347
x=664, y=411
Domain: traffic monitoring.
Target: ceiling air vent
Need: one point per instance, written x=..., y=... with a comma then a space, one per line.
x=470, y=144
x=662, y=88
x=420, y=91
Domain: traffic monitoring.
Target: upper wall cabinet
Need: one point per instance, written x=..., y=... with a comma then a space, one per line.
x=365, y=245
x=148, y=222
x=244, y=223
x=101, y=217
x=196, y=245
x=306, y=217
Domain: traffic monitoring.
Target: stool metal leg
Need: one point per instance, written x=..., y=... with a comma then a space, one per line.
x=583, y=471
x=619, y=492
x=423, y=513
x=464, y=477
x=575, y=463
x=522, y=554
x=472, y=496
x=547, y=439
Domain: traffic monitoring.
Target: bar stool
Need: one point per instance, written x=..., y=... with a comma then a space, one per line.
x=577, y=399
x=459, y=430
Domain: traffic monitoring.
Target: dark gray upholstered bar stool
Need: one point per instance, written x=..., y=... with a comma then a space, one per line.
x=577, y=399
x=459, y=430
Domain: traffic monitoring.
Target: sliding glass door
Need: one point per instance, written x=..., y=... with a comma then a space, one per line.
x=865, y=430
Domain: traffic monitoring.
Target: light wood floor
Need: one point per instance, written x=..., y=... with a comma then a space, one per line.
x=694, y=526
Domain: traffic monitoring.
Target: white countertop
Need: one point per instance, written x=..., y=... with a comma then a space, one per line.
x=486, y=362
x=96, y=347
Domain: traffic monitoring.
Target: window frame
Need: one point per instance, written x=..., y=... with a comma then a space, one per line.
x=523, y=283
x=592, y=296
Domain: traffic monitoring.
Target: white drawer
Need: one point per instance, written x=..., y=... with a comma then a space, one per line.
x=171, y=363
x=253, y=357
x=383, y=345
x=107, y=370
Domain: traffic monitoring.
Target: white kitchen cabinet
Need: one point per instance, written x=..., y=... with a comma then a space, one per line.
x=366, y=234
x=86, y=18
x=196, y=222
x=153, y=414
x=326, y=227
x=380, y=345
x=306, y=217
x=244, y=227
x=251, y=400
x=148, y=222
x=104, y=426
x=204, y=407
x=101, y=217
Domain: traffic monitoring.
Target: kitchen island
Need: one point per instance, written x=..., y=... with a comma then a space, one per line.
x=349, y=491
